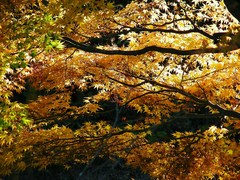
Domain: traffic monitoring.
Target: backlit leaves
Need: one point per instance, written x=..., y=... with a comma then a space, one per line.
x=77, y=85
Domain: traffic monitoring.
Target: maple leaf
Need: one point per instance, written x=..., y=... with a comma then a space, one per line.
x=70, y=93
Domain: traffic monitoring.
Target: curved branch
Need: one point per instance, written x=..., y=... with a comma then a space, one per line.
x=88, y=48
x=233, y=7
x=195, y=29
x=168, y=88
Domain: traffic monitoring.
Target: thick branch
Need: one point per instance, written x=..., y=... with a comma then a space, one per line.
x=88, y=48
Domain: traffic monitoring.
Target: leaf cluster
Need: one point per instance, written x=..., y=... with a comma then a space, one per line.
x=107, y=82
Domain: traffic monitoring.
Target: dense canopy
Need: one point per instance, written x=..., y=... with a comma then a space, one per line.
x=154, y=83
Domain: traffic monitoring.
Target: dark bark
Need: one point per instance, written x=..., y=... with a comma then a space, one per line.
x=70, y=43
x=233, y=7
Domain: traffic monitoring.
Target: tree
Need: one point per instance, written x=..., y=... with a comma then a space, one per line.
x=107, y=80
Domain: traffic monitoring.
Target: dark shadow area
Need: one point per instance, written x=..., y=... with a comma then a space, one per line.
x=102, y=169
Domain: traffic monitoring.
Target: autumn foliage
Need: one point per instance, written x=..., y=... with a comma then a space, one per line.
x=87, y=79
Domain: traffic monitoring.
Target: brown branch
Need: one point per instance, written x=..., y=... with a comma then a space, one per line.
x=129, y=29
x=194, y=30
x=222, y=111
x=88, y=48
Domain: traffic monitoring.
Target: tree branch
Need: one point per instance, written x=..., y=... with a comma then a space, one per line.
x=88, y=48
x=222, y=111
